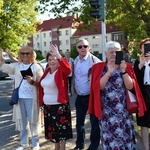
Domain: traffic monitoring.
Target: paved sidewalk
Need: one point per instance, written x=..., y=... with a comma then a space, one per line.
x=9, y=138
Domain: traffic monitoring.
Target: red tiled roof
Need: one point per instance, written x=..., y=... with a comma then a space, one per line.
x=64, y=22
x=96, y=29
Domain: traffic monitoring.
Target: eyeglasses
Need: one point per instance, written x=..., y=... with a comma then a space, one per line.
x=52, y=59
x=25, y=53
x=80, y=46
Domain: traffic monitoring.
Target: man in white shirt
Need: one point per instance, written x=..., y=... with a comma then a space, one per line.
x=82, y=65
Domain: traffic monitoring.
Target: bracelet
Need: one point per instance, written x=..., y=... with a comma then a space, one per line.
x=32, y=82
x=123, y=73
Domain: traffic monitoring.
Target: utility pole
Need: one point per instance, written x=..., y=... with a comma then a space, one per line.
x=103, y=26
x=99, y=13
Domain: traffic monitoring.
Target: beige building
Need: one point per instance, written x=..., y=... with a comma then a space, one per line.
x=62, y=33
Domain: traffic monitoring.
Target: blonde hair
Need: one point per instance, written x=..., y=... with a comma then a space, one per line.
x=29, y=49
x=112, y=44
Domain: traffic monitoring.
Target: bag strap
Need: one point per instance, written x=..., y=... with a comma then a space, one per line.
x=20, y=83
x=22, y=78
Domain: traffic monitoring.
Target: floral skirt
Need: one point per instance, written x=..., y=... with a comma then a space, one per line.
x=57, y=120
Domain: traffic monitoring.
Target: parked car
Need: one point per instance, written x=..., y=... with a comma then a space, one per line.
x=43, y=63
x=2, y=74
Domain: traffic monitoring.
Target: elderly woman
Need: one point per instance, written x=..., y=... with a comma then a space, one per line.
x=109, y=82
x=142, y=69
x=27, y=107
x=53, y=95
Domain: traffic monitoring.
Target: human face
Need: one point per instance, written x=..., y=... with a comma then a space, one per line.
x=67, y=54
x=53, y=63
x=111, y=54
x=83, y=48
x=25, y=56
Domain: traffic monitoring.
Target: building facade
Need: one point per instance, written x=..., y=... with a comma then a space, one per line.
x=62, y=33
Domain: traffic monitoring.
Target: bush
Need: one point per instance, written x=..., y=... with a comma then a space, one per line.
x=39, y=55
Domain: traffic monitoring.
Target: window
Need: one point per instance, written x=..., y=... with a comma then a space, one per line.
x=38, y=45
x=60, y=42
x=118, y=36
x=50, y=34
x=76, y=40
x=54, y=29
x=44, y=44
x=37, y=36
x=44, y=35
x=60, y=33
x=67, y=42
x=95, y=45
x=67, y=32
x=95, y=37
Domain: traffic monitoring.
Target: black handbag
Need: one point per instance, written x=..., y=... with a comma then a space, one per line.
x=15, y=95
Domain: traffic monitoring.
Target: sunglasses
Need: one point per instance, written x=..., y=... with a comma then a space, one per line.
x=25, y=53
x=80, y=46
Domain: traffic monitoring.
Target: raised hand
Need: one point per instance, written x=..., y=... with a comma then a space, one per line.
x=54, y=51
x=111, y=66
x=123, y=66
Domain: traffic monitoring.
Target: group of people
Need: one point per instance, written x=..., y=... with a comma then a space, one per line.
x=101, y=91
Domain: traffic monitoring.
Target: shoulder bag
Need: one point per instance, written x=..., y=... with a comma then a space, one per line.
x=131, y=102
x=15, y=95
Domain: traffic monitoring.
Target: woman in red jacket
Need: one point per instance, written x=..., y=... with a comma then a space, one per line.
x=109, y=82
x=53, y=95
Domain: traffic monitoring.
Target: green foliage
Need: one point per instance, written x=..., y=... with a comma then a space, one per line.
x=131, y=16
x=73, y=53
x=39, y=55
x=17, y=22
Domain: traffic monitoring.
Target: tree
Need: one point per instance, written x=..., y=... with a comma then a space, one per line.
x=73, y=52
x=18, y=21
x=131, y=16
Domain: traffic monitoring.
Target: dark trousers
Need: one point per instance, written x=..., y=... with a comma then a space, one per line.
x=81, y=105
x=69, y=83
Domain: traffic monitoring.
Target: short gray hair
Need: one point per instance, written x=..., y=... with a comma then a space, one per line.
x=83, y=40
x=112, y=44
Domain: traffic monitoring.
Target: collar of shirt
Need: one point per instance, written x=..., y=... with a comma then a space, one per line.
x=84, y=58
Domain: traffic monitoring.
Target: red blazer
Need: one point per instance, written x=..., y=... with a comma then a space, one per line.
x=61, y=79
x=95, y=101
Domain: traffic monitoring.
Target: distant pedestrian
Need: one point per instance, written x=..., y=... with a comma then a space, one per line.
x=71, y=62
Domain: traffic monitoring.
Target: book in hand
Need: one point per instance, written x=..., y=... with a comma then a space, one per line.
x=27, y=72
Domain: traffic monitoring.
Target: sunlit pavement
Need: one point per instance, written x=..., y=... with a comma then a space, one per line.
x=9, y=138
